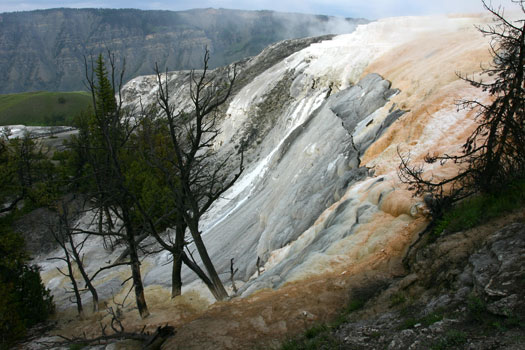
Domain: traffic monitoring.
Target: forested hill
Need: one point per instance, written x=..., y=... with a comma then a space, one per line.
x=44, y=49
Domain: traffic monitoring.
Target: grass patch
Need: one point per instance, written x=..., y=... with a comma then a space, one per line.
x=425, y=321
x=397, y=299
x=77, y=346
x=451, y=339
x=354, y=305
x=315, y=331
x=431, y=318
x=480, y=316
x=42, y=108
x=323, y=339
x=477, y=309
x=503, y=324
x=481, y=208
x=408, y=323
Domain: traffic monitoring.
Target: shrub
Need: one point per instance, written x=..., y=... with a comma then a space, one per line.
x=481, y=208
x=397, y=299
x=315, y=331
x=24, y=301
x=452, y=338
x=477, y=308
x=425, y=321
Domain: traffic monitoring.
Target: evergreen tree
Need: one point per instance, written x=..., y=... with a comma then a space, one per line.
x=103, y=146
x=24, y=301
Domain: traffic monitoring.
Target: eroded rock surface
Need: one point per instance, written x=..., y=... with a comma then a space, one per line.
x=457, y=296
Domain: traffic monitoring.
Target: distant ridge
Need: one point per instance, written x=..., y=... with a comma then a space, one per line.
x=43, y=49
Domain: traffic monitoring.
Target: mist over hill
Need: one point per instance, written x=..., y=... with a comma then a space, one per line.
x=44, y=49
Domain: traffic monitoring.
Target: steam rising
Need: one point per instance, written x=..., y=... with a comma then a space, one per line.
x=318, y=25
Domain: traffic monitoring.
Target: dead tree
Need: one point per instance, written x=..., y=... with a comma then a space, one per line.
x=64, y=235
x=200, y=178
x=258, y=265
x=233, y=271
x=62, y=239
x=153, y=138
x=76, y=249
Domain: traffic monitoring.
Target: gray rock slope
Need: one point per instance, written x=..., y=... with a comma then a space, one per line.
x=301, y=158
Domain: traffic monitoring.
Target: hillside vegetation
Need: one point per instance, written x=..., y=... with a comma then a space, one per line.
x=42, y=107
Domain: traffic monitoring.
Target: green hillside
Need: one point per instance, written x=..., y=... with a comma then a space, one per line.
x=42, y=107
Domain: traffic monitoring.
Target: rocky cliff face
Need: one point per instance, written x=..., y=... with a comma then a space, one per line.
x=44, y=50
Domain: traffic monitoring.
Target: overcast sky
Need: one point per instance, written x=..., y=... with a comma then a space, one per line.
x=371, y=9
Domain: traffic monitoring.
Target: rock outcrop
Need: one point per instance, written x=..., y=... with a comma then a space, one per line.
x=465, y=291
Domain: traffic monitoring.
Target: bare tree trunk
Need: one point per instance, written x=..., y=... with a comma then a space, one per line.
x=85, y=276
x=76, y=255
x=176, y=279
x=202, y=275
x=138, y=286
x=220, y=292
x=137, y=281
x=78, y=299
x=108, y=218
x=135, y=266
x=62, y=236
x=233, y=271
x=101, y=222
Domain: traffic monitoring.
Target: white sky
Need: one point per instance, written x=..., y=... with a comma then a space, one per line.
x=371, y=9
